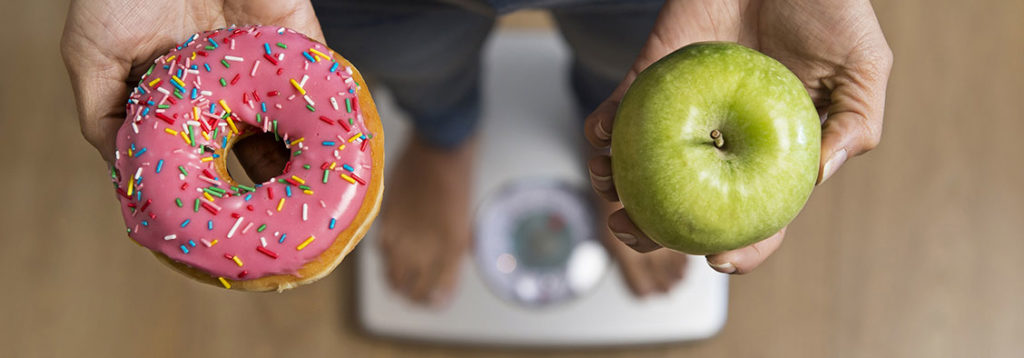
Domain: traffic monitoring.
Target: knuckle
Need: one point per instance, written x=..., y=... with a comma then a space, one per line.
x=645, y=248
x=887, y=56
x=872, y=142
x=873, y=65
x=610, y=195
x=594, y=162
x=872, y=138
x=90, y=135
x=65, y=46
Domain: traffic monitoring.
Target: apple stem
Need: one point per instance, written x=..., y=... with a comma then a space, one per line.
x=716, y=135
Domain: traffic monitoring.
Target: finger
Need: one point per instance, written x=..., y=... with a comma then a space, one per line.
x=845, y=135
x=101, y=133
x=854, y=123
x=261, y=156
x=627, y=232
x=600, y=169
x=746, y=259
x=598, y=125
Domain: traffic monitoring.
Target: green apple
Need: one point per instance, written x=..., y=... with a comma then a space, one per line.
x=714, y=147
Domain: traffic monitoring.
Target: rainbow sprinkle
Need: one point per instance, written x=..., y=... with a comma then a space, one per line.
x=190, y=97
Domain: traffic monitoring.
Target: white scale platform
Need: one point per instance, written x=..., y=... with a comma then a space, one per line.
x=532, y=135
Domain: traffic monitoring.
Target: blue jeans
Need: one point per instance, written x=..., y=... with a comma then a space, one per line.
x=428, y=51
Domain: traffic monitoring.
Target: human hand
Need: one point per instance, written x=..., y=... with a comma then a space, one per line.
x=108, y=44
x=835, y=47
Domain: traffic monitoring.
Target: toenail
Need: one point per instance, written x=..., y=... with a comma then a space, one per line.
x=626, y=238
x=725, y=267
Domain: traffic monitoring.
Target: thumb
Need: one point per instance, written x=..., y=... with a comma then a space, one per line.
x=854, y=122
x=297, y=15
x=100, y=88
x=844, y=135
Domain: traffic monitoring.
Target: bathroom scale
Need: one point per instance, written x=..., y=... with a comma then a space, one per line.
x=535, y=274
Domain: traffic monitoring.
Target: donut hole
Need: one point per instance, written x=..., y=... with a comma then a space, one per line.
x=258, y=158
x=237, y=172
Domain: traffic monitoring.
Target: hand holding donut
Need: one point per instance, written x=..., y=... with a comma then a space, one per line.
x=108, y=44
x=835, y=47
x=191, y=106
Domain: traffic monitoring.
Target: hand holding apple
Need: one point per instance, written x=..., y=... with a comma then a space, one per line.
x=716, y=147
x=835, y=47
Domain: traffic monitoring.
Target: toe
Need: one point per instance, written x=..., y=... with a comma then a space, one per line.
x=447, y=278
x=677, y=269
x=393, y=275
x=634, y=272
x=662, y=282
x=426, y=279
x=409, y=276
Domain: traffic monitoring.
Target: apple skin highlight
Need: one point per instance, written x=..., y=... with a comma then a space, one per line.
x=715, y=147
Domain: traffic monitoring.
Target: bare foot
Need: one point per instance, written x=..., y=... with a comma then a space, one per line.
x=645, y=273
x=424, y=221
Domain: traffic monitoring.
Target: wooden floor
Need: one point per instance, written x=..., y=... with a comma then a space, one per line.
x=912, y=251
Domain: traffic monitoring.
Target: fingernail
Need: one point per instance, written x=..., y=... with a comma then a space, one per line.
x=725, y=267
x=599, y=177
x=601, y=133
x=626, y=238
x=833, y=164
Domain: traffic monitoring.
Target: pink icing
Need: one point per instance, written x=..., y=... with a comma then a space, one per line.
x=150, y=183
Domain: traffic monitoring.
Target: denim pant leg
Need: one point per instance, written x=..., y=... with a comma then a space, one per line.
x=426, y=52
x=605, y=40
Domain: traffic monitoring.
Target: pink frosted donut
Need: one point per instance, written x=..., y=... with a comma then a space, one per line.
x=196, y=101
